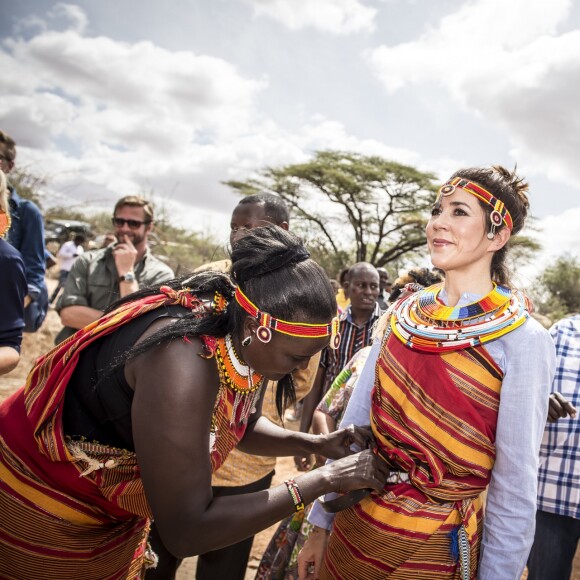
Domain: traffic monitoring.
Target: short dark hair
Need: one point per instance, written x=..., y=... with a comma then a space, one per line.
x=274, y=206
x=9, y=146
x=343, y=275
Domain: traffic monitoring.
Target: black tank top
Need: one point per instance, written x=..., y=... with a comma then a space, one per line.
x=97, y=404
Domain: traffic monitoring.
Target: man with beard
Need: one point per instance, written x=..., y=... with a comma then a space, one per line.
x=100, y=277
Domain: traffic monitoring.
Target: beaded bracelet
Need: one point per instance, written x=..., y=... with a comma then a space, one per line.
x=295, y=494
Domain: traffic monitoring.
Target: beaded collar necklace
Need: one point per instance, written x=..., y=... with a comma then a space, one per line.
x=431, y=307
x=421, y=324
x=238, y=377
x=236, y=374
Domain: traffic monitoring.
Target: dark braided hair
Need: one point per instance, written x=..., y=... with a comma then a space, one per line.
x=274, y=270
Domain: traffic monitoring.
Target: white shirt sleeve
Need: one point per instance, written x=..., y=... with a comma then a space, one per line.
x=528, y=360
x=357, y=413
x=67, y=250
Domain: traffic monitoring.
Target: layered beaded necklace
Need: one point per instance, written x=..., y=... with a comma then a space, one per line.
x=431, y=307
x=238, y=377
x=424, y=323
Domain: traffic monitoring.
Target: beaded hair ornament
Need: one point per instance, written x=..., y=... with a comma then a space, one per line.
x=499, y=214
x=301, y=329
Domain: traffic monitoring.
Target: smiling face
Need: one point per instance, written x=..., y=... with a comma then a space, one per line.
x=138, y=236
x=457, y=234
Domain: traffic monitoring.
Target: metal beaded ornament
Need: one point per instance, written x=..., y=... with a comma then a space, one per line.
x=499, y=214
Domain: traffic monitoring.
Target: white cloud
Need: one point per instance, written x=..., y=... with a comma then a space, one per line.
x=334, y=16
x=103, y=118
x=506, y=62
x=558, y=235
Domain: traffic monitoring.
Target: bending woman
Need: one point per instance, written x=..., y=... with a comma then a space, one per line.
x=126, y=420
x=460, y=385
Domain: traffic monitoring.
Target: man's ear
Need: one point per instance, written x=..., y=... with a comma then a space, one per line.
x=284, y=225
x=500, y=239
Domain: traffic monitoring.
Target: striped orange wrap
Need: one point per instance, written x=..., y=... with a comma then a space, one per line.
x=76, y=510
x=434, y=417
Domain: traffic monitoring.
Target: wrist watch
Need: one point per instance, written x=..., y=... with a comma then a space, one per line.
x=128, y=277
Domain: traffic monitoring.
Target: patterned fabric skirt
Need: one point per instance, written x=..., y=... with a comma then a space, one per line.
x=86, y=519
x=398, y=537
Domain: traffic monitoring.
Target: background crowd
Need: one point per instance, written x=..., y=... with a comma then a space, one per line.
x=91, y=279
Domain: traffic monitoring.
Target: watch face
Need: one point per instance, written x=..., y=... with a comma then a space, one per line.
x=128, y=277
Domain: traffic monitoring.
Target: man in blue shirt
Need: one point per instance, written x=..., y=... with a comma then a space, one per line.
x=27, y=235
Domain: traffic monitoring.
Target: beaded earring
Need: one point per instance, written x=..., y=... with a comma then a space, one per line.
x=496, y=221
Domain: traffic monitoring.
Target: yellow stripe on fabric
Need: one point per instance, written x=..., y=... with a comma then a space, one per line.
x=45, y=502
x=435, y=432
x=472, y=368
x=409, y=523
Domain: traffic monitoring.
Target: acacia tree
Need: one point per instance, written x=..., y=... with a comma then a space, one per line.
x=379, y=204
x=559, y=287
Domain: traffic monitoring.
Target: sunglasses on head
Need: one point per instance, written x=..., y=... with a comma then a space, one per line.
x=133, y=224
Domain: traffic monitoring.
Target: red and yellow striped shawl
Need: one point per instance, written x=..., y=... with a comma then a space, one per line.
x=434, y=417
x=76, y=510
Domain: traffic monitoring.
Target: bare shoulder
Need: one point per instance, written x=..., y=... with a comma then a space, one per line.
x=176, y=365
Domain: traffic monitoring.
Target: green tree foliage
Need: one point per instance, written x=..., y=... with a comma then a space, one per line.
x=559, y=288
x=27, y=184
x=181, y=249
x=340, y=199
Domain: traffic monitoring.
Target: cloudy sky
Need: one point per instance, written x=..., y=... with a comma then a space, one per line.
x=116, y=97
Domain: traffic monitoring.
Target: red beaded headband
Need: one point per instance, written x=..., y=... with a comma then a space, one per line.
x=301, y=329
x=500, y=212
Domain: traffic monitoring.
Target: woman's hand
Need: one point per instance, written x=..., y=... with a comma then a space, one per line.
x=559, y=408
x=362, y=470
x=338, y=444
x=312, y=553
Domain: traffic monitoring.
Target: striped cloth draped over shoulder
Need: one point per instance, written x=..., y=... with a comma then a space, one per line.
x=69, y=509
x=434, y=417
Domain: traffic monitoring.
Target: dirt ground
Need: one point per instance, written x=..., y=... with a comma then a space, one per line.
x=37, y=344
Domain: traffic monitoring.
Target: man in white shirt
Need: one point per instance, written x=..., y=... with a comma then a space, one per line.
x=67, y=254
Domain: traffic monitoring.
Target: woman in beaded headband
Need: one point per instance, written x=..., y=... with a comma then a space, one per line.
x=501, y=195
x=457, y=393
x=128, y=419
